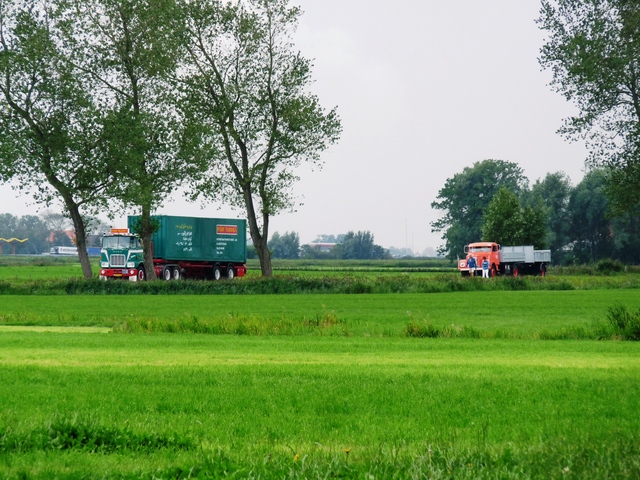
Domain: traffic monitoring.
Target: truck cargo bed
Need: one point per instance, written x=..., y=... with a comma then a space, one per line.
x=195, y=239
x=524, y=254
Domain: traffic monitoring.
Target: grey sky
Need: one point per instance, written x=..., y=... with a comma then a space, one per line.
x=424, y=88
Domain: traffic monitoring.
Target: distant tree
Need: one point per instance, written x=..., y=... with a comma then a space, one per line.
x=626, y=238
x=27, y=227
x=248, y=87
x=8, y=228
x=593, y=52
x=554, y=192
x=33, y=228
x=508, y=223
x=56, y=222
x=285, y=246
x=534, y=226
x=502, y=221
x=592, y=233
x=359, y=246
x=8, y=225
x=464, y=198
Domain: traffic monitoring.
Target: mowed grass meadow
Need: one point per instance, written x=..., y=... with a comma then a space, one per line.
x=493, y=383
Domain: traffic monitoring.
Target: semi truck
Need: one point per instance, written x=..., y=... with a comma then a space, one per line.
x=183, y=247
x=505, y=260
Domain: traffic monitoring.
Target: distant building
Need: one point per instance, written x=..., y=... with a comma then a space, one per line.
x=322, y=247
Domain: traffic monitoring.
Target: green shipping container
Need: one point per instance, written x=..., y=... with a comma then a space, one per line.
x=198, y=239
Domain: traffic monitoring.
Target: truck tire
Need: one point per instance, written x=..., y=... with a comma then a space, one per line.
x=217, y=273
x=142, y=274
x=176, y=275
x=166, y=273
x=231, y=273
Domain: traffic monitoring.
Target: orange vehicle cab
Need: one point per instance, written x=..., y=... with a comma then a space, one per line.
x=479, y=251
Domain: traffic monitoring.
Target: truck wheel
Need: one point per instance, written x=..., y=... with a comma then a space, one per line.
x=516, y=271
x=231, y=273
x=217, y=273
x=166, y=273
x=142, y=275
x=176, y=273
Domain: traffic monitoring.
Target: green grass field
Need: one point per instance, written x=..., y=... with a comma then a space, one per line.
x=514, y=314
x=318, y=385
x=149, y=406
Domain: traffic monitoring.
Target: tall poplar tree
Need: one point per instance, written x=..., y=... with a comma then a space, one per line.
x=130, y=50
x=48, y=122
x=249, y=89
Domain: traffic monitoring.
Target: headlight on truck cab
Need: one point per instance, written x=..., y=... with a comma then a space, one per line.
x=131, y=265
x=104, y=264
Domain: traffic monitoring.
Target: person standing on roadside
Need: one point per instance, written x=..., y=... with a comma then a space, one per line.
x=485, y=267
x=471, y=265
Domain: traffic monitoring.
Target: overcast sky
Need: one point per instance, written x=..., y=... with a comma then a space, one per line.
x=424, y=89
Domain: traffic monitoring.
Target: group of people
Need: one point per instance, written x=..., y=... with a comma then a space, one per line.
x=471, y=265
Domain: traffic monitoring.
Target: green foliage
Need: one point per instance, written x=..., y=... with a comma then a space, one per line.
x=86, y=436
x=593, y=53
x=553, y=192
x=427, y=330
x=359, y=246
x=26, y=227
x=49, y=123
x=507, y=223
x=466, y=196
x=285, y=246
x=248, y=88
x=608, y=266
x=326, y=323
x=502, y=221
x=131, y=51
x=624, y=324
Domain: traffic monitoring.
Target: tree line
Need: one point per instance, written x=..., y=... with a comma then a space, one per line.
x=350, y=246
x=493, y=201
x=37, y=234
x=109, y=105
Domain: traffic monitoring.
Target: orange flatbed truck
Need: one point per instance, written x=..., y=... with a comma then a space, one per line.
x=505, y=260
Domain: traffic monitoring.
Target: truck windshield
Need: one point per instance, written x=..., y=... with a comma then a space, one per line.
x=479, y=249
x=119, y=241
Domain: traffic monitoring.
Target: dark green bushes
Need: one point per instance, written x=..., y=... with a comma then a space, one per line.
x=355, y=283
x=620, y=324
x=608, y=266
x=623, y=323
x=86, y=436
x=289, y=284
x=325, y=323
x=428, y=330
